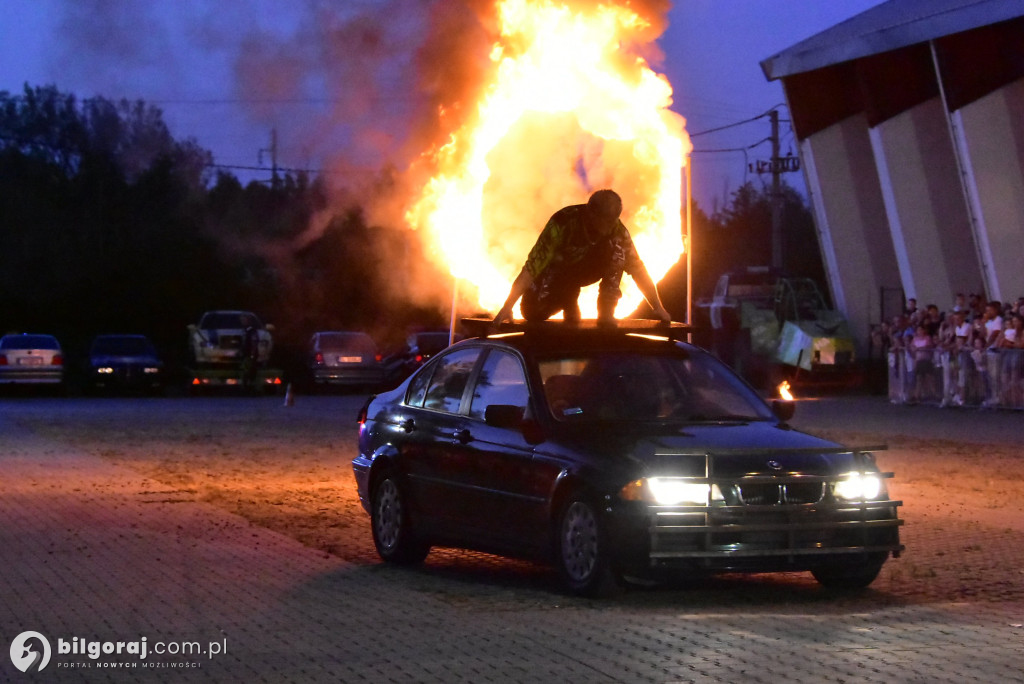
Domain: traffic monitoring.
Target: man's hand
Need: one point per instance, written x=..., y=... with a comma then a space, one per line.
x=504, y=316
x=662, y=313
x=522, y=284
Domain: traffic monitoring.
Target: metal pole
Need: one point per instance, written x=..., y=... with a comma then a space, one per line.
x=451, y=325
x=689, y=245
x=776, y=202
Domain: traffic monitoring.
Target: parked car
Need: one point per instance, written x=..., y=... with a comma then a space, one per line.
x=611, y=454
x=344, y=358
x=421, y=346
x=221, y=338
x=124, y=362
x=31, y=359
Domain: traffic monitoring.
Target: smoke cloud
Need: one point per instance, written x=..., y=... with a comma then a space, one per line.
x=363, y=91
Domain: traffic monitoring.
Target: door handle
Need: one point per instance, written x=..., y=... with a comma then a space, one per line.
x=463, y=436
x=408, y=425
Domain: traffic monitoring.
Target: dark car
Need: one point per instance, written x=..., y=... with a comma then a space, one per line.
x=611, y=454
x=124, y=362
x=344, y=358
x=421, y=346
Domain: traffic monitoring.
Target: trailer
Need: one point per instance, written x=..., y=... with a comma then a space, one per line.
x=258, y=381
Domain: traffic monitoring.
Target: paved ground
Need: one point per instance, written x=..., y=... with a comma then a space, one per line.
x=95, y=551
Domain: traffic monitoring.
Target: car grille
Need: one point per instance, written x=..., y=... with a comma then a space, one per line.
x=761, y=494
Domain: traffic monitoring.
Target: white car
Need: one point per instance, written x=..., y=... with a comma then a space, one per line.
x=31, y=359
x=222, y=337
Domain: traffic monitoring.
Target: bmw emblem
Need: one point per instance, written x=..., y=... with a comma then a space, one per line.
x=774, y=465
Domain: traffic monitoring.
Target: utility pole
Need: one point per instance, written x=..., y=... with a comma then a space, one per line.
x=776, y=198
x=273, y=157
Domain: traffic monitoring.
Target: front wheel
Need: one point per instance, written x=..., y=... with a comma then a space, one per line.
x=853, y=576
x=392, y=533
x=582, y=553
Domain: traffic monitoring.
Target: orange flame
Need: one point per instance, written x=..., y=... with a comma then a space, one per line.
x=570, y=108
x=784, y=392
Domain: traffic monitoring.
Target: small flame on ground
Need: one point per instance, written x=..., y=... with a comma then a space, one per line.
x=784, y=391
x=570, y=108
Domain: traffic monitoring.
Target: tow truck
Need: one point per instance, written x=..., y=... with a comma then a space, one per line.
x=772, y=328
x=231, y=349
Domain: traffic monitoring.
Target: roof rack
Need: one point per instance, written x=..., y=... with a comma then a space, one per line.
x=484, y=327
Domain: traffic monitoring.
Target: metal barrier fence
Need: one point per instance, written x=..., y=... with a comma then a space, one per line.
x=980, y=377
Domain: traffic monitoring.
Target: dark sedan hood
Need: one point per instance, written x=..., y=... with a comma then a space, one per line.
x=679, y=450
x=117, y=360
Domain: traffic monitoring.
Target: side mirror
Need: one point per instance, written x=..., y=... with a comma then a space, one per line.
x=783, y=410
x=503, y=416
x=511, y=417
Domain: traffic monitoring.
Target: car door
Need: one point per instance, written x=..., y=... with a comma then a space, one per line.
x=509, y=495
x=433, y=446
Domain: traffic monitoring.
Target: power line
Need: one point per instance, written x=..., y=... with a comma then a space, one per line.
x=727, y=126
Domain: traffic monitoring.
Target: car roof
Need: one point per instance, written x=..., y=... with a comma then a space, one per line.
x=556, y=336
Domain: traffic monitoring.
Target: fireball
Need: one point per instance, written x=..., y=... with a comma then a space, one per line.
x=571, y=107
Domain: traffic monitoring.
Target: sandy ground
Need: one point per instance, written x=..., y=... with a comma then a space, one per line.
x=288, y=469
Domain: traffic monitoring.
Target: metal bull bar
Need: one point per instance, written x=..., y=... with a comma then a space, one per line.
x=790, y=527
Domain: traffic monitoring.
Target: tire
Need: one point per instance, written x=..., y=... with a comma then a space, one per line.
x=853, y=576
x=389, y=518
x=581, y=550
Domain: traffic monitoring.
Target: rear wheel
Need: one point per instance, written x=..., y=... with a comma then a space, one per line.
x=392, y=533
x=582, y=553
x=856, y=575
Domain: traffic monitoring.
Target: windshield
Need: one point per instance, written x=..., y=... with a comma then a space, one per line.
x=673, y=385
x=123, y=346
x=29, y=342
x=356, y=343
x=223, y=320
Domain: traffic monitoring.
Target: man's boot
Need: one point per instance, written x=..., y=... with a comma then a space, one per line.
x=606, y=313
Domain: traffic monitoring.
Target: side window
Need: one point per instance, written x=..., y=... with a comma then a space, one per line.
x=448, y=382
x=418, y=387
x=501, y=381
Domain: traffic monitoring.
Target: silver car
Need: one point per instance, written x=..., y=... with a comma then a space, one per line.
x=31, y=359
x=344, y=358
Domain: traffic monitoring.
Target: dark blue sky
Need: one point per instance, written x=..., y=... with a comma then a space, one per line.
x=184, y=56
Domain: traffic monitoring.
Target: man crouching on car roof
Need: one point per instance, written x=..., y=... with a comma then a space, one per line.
x=580, y=245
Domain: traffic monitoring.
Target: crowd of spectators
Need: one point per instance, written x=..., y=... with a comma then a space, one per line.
x=971, y=354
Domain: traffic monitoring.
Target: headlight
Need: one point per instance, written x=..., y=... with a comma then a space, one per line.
x=105, y=369
x=150, y=369
x=667, y=491
x=858, y=486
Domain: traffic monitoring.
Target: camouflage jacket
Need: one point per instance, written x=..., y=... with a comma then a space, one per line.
x=565, y=253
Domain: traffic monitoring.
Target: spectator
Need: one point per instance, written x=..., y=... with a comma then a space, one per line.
x=932, y=319
x=972, y=355
x=975, y=309
x=922, y=363
x=911, y=308
x=946, y=357
x=960, y=303
x=1011, y=347
x=993, y=322
x=993, y=328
